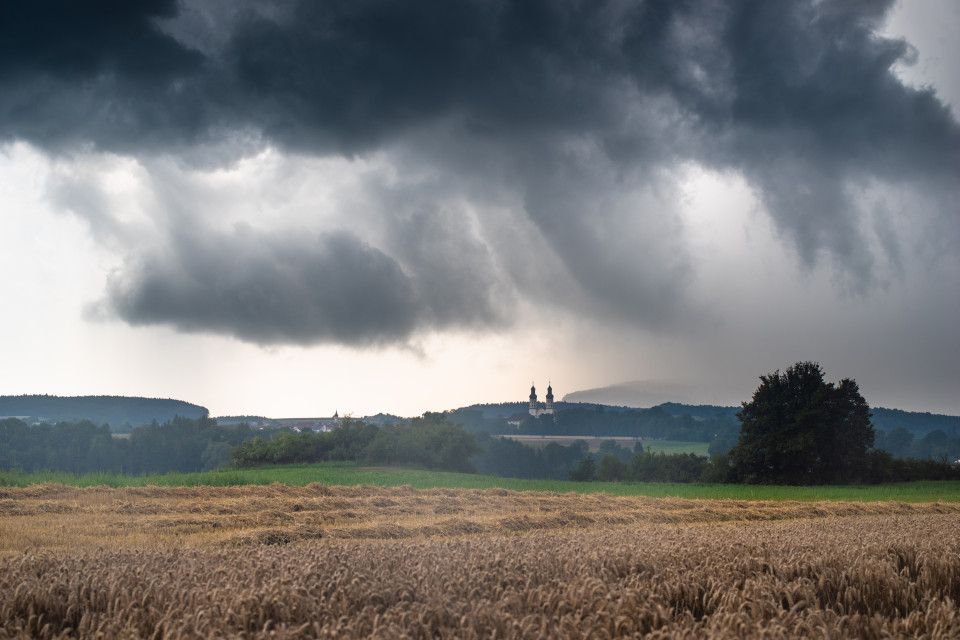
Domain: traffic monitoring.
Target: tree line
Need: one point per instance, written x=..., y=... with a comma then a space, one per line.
x=934, y=445
x=796, y=429
x=180, y=444
x=431, y=442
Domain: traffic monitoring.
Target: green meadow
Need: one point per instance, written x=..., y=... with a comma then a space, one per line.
x=669, y=447
x=351, y=474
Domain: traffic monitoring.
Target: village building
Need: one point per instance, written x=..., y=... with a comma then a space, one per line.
x=301, y=425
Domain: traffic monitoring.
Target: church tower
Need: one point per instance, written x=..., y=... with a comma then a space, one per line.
x=533, y=400
x=549, y=409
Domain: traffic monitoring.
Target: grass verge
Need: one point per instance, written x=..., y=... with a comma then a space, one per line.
x=351, y=474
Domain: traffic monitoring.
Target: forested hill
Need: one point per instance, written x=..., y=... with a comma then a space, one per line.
x=506, y=409
x=914, y=422
x=119, y=412
x=883, y=419
x=700, y=411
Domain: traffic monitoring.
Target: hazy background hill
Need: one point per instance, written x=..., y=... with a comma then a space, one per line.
x=678, y=400
x=641, y=394
x=914, y=422
x=120, y=412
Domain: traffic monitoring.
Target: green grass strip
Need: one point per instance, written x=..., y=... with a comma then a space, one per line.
x=351, y=474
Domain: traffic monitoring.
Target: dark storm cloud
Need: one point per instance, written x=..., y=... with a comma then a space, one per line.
x=356, y=74
x=94, y=72
x=74, y=40
x=456, y=280
x=560, y=102
x=817, y=110
x=270, y=288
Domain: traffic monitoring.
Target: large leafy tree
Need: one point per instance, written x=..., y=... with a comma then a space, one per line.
x=799, y=429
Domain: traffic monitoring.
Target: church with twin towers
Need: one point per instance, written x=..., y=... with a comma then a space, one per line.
x=536, y=409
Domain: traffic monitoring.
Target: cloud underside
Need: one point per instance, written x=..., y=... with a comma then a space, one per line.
x=287, y=288
x=574, y=118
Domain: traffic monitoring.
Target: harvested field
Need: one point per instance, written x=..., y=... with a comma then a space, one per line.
x=350, y=562
x=65, y=519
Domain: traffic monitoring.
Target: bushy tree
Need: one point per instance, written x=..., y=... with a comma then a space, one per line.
x=659, y=467
x=612, y=469
x=586, y=471
x=799, y=429
x=431, y=441
x=508, y=458
x=611, y=448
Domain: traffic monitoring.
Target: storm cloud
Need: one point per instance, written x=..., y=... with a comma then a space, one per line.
x=532, y=148
x=272, y=290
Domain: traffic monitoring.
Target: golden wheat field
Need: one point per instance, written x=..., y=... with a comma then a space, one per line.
x=364, y=562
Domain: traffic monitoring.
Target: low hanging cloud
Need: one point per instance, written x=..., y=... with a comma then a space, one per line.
x=271, y=288
x=576, y=115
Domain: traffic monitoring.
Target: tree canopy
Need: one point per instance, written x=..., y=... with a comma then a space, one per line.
x=799, y=429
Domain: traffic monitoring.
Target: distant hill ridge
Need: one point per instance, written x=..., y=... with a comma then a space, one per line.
x=117, y=411
x=883, y=419
x=676, y=399
x=122, y=412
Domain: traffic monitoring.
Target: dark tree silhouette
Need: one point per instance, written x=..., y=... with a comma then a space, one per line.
x=799, y=429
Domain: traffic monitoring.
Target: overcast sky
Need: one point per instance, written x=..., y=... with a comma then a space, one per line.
x=297, y=207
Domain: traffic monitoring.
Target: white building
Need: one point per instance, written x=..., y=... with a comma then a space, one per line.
x=536, y=409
